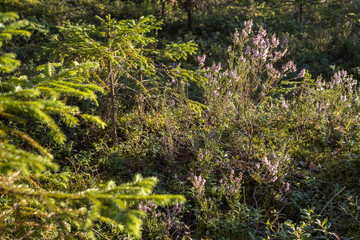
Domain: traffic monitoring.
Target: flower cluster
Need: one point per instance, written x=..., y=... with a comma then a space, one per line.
x=236, y=37
x=273, y=168
x=219, y=82
x=302, y=73
x=247, y=28
x=262, y=50
x=232, y=184
x=229, y=187
x=289, y=66
x=284, y=104
x=147, y=207
x=170, y=217
x=342, y=86
x=272, y=72
x=340, y=78
x=201, y=60
x=198, y=185
x=272, y=165
x=261, y=54
x=283, y=191
x=251, y=71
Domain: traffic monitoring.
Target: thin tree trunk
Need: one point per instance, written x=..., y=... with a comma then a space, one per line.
x=112, y=94
x=163, y=4
x=189, y=15
x=301, y=12
x=112, y=103
x=140, y=76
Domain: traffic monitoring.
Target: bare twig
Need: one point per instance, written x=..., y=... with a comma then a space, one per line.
x=357, y=207
x=98, y=233
x=245, y=133
x=356, y=237
x=332, y=199
x=355, y=218
x=282, y=208
x=254, y=197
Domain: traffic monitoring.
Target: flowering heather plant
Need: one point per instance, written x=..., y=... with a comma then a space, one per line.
x=341, y=94
x=271, y=167
x=342, y=83
x=198, y=186
x=230, y=188
x=163, y=223
x=250, y=75
x=149, y=206
x=206, y=204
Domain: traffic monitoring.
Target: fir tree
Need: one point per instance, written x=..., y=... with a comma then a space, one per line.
x=124, y=51
x=28, y=210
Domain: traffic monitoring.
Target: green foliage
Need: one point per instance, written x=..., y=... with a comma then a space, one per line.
x=28, y=210
x=8, y=62
x=123, y=48
x=69, y=214
x=260, y=149
x=55, y=11
x=37, y=98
